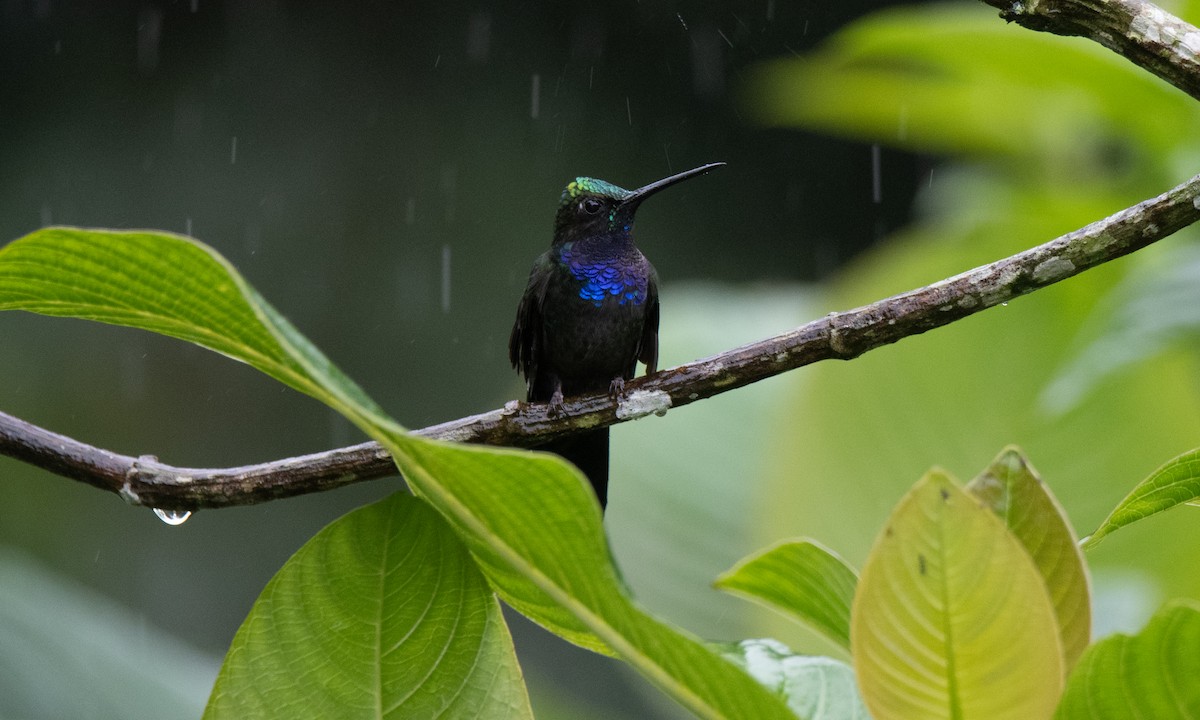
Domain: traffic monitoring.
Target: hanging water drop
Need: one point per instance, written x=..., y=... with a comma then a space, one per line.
x=173, y=517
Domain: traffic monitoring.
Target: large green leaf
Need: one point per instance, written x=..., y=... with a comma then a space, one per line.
x=1013, y=490
x=170, y=285
x=528, y=518
x=951, y=618
x=1176, y=482
x=803, y=579
x=1154, y=674
x=383, y=614
x=536, y=532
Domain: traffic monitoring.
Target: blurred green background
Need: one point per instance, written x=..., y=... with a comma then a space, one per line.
x=386, y=173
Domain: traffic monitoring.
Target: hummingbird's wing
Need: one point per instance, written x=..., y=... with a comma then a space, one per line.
x=525, y=342
x=648, y=345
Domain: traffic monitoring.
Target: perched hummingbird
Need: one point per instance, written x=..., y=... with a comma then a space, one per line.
x=590, y=310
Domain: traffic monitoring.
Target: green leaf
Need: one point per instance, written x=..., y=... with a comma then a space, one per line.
x=535, y=530
x=380, y=615
x=171, y=285
x=1013, y=490
x=952, y=619
x=1154, y=674
x=1177, y=482
x=816, y=688
x=800, y=578
x=529, y=519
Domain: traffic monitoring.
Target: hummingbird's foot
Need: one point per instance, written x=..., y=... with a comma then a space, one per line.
x=557, y=407
x=616, y=388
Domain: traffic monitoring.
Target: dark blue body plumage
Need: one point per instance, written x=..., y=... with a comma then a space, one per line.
x=590, y=310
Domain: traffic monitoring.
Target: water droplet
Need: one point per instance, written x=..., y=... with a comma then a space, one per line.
x=173, y=517
x=233, y=150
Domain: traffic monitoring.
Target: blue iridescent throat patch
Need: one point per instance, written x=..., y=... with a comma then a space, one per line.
x=605, y=278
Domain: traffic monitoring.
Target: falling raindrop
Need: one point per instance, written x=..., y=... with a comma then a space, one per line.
x=446, y=279
x=708, y=62
x=173, y=517
x=876, y=174
x=437, y=61
x=681, y=22
x=479, y=36
x=187, y=227
x=628, y=111
x=449, y=185
x=233, y=151
x=149, y=36
x=410, y=211
x=535, y=96
x=724, y=37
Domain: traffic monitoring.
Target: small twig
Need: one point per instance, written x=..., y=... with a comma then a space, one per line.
x=1140, y=31
x=843, y=336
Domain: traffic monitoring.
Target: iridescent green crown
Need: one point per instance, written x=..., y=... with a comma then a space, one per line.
x=592, y=186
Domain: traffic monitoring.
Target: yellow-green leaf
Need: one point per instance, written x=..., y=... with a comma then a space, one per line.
x=1013, y=490
x=951, y=618
x=801, y=578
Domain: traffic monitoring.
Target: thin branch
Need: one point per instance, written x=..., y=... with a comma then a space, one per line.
x=843, y=336
x=1140, y=31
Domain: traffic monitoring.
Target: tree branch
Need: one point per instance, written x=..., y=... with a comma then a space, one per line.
x=1140, y=31
x=845, y=335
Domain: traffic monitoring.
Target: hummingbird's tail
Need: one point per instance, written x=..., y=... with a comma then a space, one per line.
x=589, y=453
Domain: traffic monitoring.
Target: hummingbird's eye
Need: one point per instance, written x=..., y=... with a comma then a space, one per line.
x=591, y=206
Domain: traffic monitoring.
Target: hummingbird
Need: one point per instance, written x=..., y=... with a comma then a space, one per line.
x=590, y=310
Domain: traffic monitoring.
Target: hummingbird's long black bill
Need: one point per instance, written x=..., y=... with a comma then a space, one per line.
x=647, y=190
